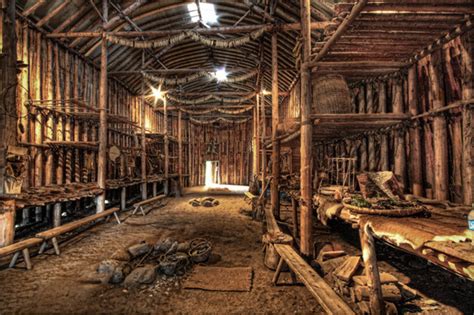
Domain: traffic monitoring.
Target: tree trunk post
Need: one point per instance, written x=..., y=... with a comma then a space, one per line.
x=416, y=167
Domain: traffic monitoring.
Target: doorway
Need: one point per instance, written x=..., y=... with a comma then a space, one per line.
x=212, y=173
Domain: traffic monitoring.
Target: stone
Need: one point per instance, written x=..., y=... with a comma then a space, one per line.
x=121, y=255
x=141, y=275
x=139, y=249
x=163, y=246
x=107, y=266
x=120, y=273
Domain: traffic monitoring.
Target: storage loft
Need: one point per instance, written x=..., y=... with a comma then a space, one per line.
x=150, y=149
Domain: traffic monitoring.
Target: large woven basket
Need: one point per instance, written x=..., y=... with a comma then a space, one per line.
x=401, y=212
x=331, y=95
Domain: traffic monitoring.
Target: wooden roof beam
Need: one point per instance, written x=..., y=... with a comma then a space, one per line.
x=33, y=8
x=53, y=13
x=356, y=10
x=208, y=31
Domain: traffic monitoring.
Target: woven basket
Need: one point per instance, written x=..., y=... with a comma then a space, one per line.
x=331, y=95
x=402, y=212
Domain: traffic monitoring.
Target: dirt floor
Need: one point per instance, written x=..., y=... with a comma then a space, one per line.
x=55, y=284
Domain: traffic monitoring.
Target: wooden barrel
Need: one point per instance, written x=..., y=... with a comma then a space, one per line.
x=331, y=95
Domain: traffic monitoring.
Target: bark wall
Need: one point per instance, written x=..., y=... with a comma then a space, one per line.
x=58, y=100
x=442, y=139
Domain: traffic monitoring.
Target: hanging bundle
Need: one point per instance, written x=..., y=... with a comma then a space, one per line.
x=195, y=76
x=174, y=39
x=207, y=98
x=219, y=119
x=145, y=44
x=216, y=109
x=226, y=43
x=175, y=81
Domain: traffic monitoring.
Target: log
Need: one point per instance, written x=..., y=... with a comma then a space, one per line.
x=143, y=156
x=385, y=278
x=274, y=188
x=371, y=270
x=416, y=167
x=384, y=152
x=399, y=167
x=306, y=129
x=440, y=141
x=102, y=156
x=468, y=118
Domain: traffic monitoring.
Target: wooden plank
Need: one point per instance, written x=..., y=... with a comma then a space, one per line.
x=15, y=247
x=348, y=269
x=74, y=225
x=324, y=294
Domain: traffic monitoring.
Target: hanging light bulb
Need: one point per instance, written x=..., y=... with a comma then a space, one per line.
x=157, y=93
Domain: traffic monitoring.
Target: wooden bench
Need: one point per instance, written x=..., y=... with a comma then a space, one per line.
x=20, y=247
x=54, y=232
x=324, y=294
x=139, y=205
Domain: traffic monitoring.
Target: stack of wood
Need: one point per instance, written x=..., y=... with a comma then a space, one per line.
x=347, y=275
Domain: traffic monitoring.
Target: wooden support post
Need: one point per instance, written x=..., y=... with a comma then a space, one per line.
x=8, y=84
x=363, y=146
x=180, y=151
x=306, y=216
x=274, y=189
x=166, y=143
x=384, y=154
x=143, y=137
x=254, y=142
x=468, y=117
x=57, y=214
x=262, y=141
x=369, y=256
x=123, y=198
x=372, y=163
x=7, y=222
x=294, y=217
x=416, y=167
x=440, y=140
x=258, y=135
x=399, y=167
x=102, y=156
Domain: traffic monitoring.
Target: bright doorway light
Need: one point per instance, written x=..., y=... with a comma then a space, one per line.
x=208, y=13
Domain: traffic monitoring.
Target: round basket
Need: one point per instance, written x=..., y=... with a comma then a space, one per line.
x=401, y=212
x=331, y=95
x=199, y=250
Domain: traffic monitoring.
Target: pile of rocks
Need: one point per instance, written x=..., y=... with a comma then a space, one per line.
x=141, y=262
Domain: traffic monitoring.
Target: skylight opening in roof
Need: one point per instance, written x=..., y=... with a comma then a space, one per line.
x=208, y=13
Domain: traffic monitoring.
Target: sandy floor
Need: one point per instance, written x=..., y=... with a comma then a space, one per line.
x=53, y=285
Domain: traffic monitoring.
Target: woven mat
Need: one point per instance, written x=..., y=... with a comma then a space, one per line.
x=220, y=279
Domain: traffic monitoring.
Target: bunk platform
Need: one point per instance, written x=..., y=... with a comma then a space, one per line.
x=441, y=237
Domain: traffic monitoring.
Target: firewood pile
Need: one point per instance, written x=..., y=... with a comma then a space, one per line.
x=141, y=263
x=347, y=275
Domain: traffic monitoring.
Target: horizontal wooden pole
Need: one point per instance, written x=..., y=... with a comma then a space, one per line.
x=209, y=31
x=190, y=70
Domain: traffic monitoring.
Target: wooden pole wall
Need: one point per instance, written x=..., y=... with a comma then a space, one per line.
x=102, y=157
x=306, y=219
x=399, y=167
x=384, y=146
